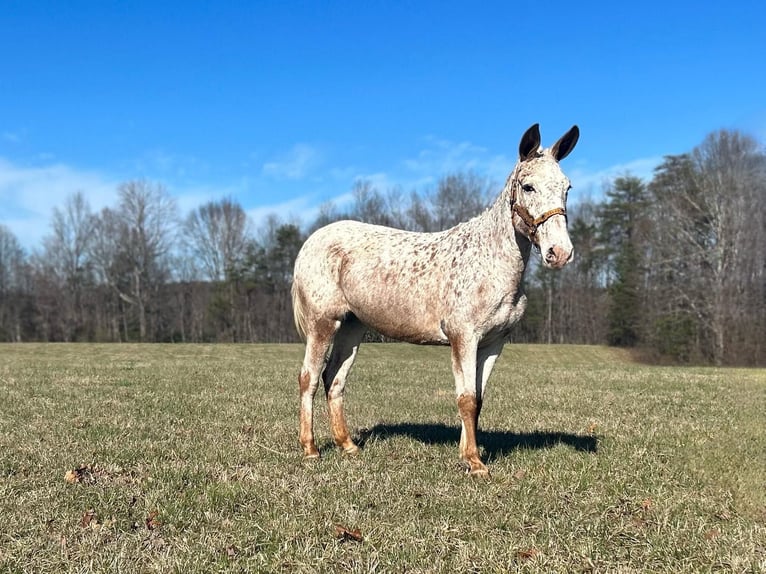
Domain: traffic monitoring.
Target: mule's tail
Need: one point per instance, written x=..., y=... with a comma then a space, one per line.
x=299, y=314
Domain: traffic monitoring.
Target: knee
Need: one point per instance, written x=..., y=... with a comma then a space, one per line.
x=468, y=405
x=305, y=384
x=335, y=389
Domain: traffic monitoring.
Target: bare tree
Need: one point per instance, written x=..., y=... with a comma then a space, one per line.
x=581, y=301
x=148, y=216
x=709, y=221
x=217, y=234
x=106, y=250
x=131, y=248
x=66, y=256
x=369, y=204
x=458, y=197
x=328, y=213
x=419, y=214
x=11, y=285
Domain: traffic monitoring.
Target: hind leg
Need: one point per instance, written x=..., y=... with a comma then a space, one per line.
x=317, y=343
x=344, y=350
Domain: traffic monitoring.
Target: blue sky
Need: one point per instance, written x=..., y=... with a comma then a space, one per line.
x=283, y=105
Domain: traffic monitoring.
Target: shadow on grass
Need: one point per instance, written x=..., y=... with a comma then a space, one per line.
x=496, y=444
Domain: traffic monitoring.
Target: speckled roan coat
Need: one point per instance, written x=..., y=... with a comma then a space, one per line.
x=460, y=287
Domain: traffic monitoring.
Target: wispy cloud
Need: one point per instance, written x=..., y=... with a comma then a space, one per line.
x=293, y=186
x=299, y=209
x=297, y=163
x=588, y=182
x=29, y=194
x=163, y=164
x=440, y=157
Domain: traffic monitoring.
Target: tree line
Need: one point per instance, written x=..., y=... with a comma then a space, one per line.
x=675, y=265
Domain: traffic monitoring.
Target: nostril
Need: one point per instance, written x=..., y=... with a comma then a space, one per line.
x=550, y=255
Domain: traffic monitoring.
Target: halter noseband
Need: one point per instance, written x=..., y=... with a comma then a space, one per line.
x=530, y=222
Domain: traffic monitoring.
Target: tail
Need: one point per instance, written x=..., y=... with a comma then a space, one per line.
x=299, y=314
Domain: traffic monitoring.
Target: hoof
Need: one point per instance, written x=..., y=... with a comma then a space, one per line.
x=481, y=472
x=351, y=449
x=475, y=467
x=310, y=453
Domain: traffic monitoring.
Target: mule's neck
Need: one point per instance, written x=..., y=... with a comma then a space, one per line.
x=493, y=234
x=497, y=229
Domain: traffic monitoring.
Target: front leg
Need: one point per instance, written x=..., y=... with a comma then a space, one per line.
x=468, y=402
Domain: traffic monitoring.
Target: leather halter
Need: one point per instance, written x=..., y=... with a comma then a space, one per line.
x=532, y=223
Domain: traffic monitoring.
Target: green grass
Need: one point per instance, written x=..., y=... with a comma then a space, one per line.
x=189, y=462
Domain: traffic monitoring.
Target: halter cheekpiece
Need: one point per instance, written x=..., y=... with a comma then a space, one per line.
x=531, y=223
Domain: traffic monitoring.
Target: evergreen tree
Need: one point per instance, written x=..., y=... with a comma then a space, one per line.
x=622, y=220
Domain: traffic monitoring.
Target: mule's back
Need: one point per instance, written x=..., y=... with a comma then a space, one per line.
x=386, y=277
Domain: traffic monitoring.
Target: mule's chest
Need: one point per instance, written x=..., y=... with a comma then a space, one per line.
x=507, y=313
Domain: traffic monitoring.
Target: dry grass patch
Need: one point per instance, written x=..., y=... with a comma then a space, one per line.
x=167, y=458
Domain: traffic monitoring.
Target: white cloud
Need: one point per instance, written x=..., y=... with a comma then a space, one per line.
x=29, y=194
x=159, y=163
x=379, y=180
x=299, y=210
x=589, y=182
x=441, y=156
x=189, y=198
x=295, y=164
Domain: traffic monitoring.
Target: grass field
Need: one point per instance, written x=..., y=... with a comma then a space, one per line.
x=130, y=458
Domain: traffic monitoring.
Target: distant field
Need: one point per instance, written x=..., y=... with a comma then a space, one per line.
x=161, y=458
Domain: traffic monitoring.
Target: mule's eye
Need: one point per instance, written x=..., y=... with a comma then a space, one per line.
x=528, y=187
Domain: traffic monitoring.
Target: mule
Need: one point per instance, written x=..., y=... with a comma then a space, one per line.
x=461, y=287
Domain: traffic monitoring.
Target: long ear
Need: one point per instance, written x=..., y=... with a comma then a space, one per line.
x=566, y=144
x=530, y=142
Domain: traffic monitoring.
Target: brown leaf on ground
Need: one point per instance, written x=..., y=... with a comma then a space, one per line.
x=712, y=534
x=89, y=518
x=528, y=554
x=519, y=474
x=84, y=473
x=151, y=521
x=344, y=533
x=592, y=427
x=231, y=552
x=647, y=503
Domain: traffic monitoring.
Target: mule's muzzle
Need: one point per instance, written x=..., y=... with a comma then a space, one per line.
x=557, y=256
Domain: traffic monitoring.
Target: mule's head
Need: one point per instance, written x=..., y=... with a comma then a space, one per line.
x=538, y=190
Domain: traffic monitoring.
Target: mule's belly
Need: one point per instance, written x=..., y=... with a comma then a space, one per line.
x=400, y=320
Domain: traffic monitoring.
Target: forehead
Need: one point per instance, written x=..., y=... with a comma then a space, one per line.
x=542, y=168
